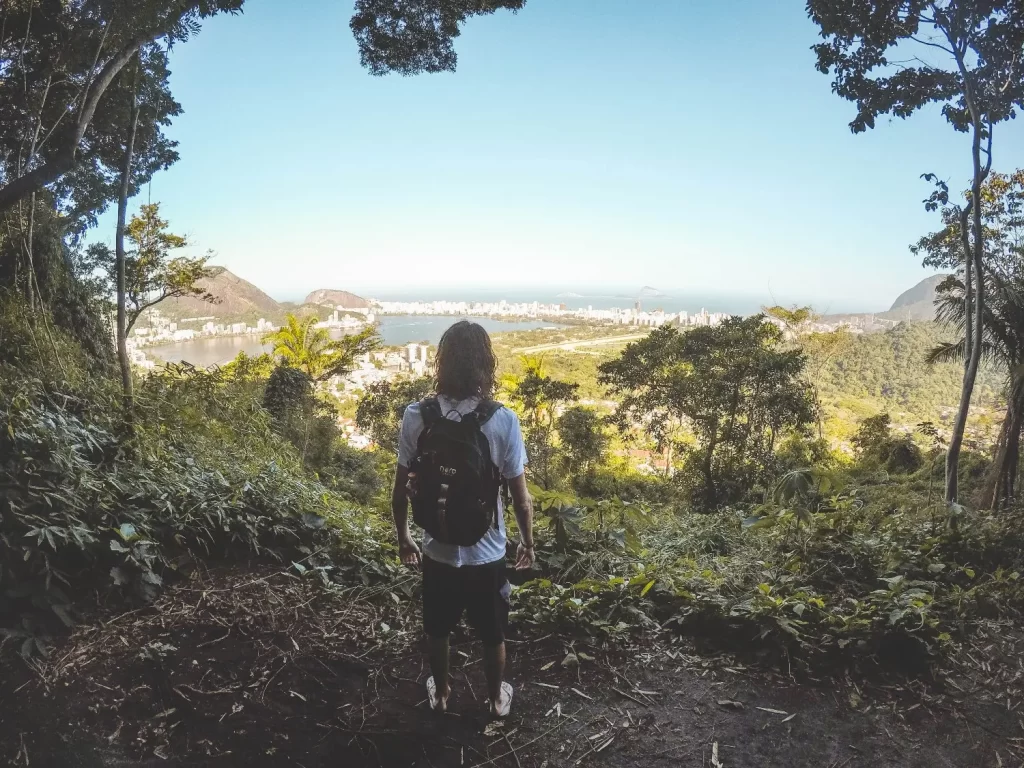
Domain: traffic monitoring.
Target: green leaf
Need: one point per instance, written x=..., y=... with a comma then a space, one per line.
x=647, y=588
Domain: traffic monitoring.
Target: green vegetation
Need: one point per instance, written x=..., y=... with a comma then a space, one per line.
x=797, y=514
x=732, y=387
x=978, y=85
x=299, y=344
x=887, y=372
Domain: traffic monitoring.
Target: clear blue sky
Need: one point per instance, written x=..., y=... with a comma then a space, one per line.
x=686, y=145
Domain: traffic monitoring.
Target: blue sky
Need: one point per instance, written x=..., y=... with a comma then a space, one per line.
x=581, y=144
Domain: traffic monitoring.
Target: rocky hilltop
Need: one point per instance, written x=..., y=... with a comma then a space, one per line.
x=335, y=298
x=917, y=303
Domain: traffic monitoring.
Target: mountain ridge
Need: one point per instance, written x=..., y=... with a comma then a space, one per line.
x=234, y=297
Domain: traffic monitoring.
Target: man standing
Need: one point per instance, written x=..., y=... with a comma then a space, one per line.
x=455, y=449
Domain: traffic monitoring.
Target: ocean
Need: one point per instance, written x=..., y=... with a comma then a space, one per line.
x=671, y=302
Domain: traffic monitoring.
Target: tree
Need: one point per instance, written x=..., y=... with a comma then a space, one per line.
x=734, y=385
x=821, y=347
x=877, y=446
x=1003, y=343
x=300, y=344
x=1002, y=321
x=540, y=398
x=792, y=320
x=582, y=440
x=383, y=404
x=962, y=54
x=119, y=252
x=66, y=78
x=152, y=273
x=415, y=36
x=58, y=62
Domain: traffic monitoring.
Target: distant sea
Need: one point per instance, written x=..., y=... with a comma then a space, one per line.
x=669, y=302
x=395, y=330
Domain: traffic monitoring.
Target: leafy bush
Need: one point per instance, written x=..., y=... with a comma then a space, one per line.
x=824, y=570
x=877, y=446
x=203, y=477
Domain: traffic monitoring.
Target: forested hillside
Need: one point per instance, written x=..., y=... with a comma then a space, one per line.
x=864, y=375
x=887, y=371
x=226, y=296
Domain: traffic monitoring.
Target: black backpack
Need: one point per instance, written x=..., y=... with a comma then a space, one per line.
x=456, y=486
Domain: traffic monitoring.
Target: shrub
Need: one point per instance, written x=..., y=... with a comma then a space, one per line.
x=878, y=447
x=203, y=477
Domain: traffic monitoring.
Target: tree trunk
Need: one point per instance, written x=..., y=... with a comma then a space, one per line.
x=971, y=372
x=965, y=240
x=122, y=215
x=710, y=491
x=1003, y=475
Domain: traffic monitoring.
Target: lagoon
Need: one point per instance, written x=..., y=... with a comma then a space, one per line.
x=395, y=330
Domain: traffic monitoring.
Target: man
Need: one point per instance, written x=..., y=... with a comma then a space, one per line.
x=458, y=578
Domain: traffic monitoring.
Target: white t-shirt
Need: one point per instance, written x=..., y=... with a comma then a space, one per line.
x=508, y=453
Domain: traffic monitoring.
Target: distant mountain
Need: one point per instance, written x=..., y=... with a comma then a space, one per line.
x=917, y=303
x=236, y=300
x=334, y=298
x=647, y=292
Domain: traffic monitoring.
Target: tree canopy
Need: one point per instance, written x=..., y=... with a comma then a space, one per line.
x=415, y=36
x=893, y=57
x=733, y=385
x=300, y=344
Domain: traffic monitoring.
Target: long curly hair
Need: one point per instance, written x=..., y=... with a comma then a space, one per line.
x=465, y=364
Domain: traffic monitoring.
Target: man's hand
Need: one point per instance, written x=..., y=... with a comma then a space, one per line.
x=525, y=557
x=408, y=551
x=412, y=486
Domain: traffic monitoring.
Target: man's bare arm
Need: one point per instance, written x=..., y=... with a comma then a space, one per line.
x=407, y=549
x=523, y=506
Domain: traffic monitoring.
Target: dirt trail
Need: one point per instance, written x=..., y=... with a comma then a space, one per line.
x=264, y=669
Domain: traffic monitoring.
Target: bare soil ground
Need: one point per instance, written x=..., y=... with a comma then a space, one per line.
x=257, y=668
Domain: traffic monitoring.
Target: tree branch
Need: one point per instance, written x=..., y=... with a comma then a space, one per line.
x=65, y=160
x=932, y=45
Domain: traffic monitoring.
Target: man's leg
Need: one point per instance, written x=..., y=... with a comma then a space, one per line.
x=442, y=609
x=494, y=669
x=487, y=610
x=439, y=666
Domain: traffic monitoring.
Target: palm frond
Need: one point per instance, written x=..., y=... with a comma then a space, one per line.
x=948, y=352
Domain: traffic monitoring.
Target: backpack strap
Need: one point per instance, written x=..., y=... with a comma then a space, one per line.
x=430, y=411
x=485, y=410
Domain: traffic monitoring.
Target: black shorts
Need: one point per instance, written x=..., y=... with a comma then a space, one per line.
x=481, y=591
